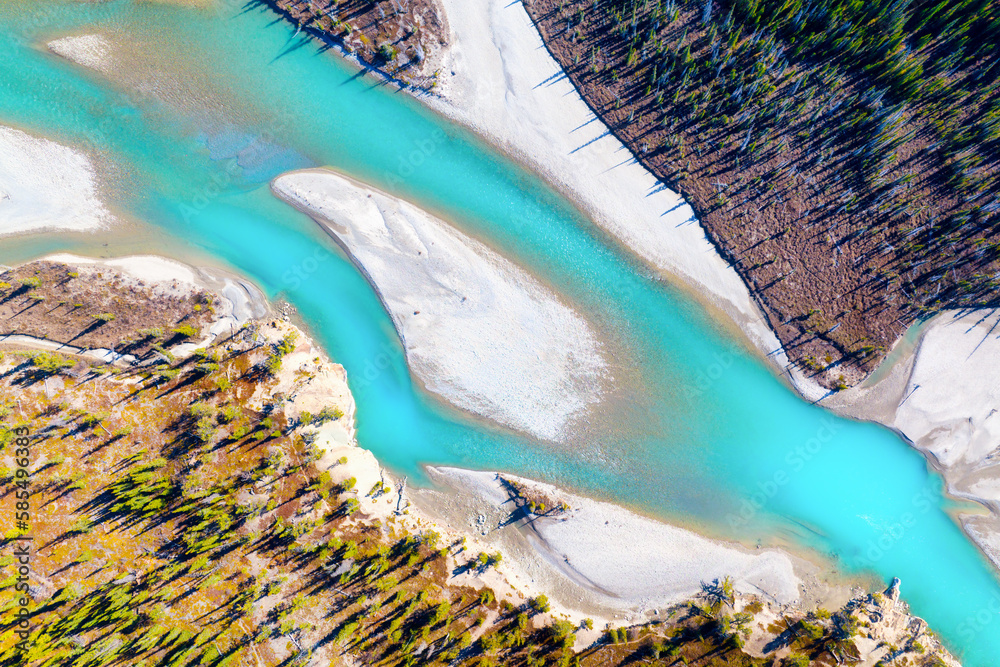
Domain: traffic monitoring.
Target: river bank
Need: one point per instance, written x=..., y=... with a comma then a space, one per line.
x=757, y=131
x=401, y=42
x=518, y=99
x=601, y=566
x=507, y=87
x=340, y=205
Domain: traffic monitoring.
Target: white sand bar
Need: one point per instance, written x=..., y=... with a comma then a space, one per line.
x=508, y=89
x=478, y=330
x=46, y=186
x=625, y=559
x=952, y=403
x=88, y=50
x=951, y=411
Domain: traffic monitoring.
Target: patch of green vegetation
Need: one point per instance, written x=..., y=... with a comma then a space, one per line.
x=185, y=331
x=50, y=363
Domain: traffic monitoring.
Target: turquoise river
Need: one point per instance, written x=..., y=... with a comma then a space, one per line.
x=216, y=102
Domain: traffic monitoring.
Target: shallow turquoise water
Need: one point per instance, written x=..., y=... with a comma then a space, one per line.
x=703, y=433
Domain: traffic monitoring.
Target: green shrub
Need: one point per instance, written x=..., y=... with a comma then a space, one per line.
x=205, y=429
x=185, y=331
x=228, y=414
x=328, y=414
x=50, y=363
x=386, y=52
x=540, y=603
x=811, y=630
x=287, y=344
x=273, y=364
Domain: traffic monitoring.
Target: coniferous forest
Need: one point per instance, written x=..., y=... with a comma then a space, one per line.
x=841, y=154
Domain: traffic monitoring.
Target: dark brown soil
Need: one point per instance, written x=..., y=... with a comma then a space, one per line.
x=397, y=37
x=64, y=306
x=839, y=264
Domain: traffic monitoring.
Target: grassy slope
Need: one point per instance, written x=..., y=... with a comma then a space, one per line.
x=842, y=155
